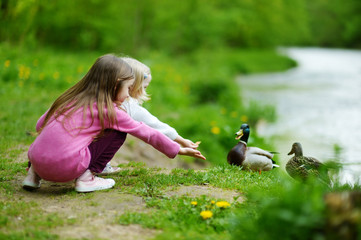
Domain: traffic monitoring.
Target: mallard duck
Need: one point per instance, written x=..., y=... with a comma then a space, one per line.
x=301, y=167
x=250, y=158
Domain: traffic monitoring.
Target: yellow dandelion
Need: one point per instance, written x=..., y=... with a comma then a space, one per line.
x=206, y=214
x=215, y=130
x=223, y=204
x=26, y=73
x=21, y=71
x=56, y=75
x=213, y=202
x=244, y=118
x=7, y=63
x=194, y=203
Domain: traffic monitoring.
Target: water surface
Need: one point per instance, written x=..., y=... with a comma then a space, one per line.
x=318, y=104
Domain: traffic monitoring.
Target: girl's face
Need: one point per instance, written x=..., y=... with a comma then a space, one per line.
x=146, y=81
x=123, y=94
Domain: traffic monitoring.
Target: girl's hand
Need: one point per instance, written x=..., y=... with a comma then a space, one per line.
x=191, y=152
x=187, y=143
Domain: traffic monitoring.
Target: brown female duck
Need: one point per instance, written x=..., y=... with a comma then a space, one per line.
x=302, y=167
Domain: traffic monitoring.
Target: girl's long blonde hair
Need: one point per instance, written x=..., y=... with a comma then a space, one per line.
x=139, y=69
x=101, y=85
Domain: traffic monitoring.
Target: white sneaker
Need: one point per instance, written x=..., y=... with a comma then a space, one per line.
x=32, y=180
x=109, y=170
x=89, y=183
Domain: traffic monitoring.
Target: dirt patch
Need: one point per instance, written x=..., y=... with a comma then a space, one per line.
x=94, y=215
x=212, y=192
x=103, y=230
x=100, y=203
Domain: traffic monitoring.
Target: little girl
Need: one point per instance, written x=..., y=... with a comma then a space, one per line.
x=134, y=109
x=86, y=126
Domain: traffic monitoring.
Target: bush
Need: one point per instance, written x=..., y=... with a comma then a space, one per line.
x=292, y=211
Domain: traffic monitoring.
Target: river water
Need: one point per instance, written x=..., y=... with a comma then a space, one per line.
x=318, y=104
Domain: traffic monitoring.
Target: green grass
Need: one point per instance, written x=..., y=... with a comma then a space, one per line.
x=147, y=182
x=184, y=219
x=276, y=206
x=196, y=94
x=176, y=215
x=272, y=201
x=22, y=220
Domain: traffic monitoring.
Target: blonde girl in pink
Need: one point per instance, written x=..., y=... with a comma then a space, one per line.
x=86, y=126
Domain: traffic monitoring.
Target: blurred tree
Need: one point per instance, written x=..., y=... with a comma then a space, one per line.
x=335, y=23
x=180, y=26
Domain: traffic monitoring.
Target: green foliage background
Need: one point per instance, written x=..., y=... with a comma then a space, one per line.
x=180, y=26
x=195, y=49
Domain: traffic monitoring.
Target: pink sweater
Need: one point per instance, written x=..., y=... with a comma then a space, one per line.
x=61, y=154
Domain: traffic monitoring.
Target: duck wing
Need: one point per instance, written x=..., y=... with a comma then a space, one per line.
x=259, y=151
x=303, y=167
x=295, y=168
x=311, y=163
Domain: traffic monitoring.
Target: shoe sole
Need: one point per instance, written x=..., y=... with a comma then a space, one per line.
x=89, y=189
x=30, y=188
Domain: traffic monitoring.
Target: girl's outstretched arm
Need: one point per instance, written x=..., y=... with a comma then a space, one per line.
x=191, y=152
x=140, y=114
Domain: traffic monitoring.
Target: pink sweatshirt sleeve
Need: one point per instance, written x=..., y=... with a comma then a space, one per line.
x=149, y=135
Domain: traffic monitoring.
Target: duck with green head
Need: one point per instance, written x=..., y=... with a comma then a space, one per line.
x=250, y=158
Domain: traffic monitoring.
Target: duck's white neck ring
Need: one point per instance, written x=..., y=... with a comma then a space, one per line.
x=240, y=141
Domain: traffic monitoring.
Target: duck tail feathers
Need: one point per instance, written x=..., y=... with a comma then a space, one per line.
x=332, y=165
x=275, y=166
x=274, y=152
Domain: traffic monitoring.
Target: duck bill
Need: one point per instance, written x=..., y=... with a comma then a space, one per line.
x=290, y=153
x=239, y=134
